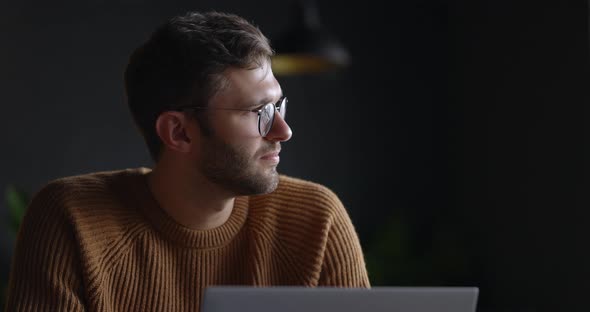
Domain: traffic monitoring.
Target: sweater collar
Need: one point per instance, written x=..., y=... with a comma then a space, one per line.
x=180, y=234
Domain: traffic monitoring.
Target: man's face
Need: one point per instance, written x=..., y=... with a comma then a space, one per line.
x=235, y=156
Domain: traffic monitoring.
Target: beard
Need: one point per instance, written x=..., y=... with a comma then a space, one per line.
x=233, y=168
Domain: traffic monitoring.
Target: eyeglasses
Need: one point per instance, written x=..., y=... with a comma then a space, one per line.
x=266, y=113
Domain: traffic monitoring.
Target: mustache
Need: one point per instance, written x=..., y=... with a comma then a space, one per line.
x=276, y=147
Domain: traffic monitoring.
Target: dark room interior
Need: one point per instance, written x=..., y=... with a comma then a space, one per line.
x=456, y=136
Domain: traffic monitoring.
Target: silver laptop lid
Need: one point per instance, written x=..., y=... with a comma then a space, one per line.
x=328, y=299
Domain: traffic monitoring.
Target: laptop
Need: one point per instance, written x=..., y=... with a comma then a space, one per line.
x=331, y=299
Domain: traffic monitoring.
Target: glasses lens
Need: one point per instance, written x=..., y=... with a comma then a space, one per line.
x=283, y=108
x=267, y=115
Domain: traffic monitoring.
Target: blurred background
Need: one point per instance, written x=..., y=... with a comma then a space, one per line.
x=455, y=136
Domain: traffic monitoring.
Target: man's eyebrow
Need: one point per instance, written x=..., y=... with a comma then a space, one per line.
x=270, y=100
x=265, y=101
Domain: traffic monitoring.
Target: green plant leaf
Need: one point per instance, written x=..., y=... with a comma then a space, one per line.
x=17, y=202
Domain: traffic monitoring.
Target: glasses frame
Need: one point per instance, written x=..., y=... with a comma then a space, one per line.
x=258, y=110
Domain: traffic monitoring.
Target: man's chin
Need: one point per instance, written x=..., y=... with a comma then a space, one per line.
x=256, y=184
x=271, y=182
x=274, y=183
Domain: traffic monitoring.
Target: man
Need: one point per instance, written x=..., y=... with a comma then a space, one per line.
x=212, y=211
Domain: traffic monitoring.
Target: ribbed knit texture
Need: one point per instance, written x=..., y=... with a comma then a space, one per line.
x=100, y=242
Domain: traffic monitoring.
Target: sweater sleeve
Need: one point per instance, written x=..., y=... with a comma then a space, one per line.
x=344, y=264
x=46, y=273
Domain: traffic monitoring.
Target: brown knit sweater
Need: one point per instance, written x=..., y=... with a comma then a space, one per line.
x=99, y=242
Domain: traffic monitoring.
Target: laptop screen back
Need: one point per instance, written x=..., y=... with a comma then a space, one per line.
x=328, y=299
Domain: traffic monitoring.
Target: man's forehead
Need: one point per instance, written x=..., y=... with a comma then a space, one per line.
x=251, y=85
x=248, y=76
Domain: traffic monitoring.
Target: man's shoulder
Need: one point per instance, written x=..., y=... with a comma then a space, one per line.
x=94, y=181
x=89, y=211
x=90, y=199
x=303, y=197
x=298, y=211
x=89, y=186
x=306, y=189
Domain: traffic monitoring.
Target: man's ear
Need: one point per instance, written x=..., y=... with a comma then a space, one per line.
x=174, y=129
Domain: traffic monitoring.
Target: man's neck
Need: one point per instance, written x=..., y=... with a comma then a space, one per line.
x=192, y=202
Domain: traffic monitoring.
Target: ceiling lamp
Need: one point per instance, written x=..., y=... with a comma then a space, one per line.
x=307, y=47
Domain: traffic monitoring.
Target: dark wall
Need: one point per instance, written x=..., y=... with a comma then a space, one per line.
x=457, y=133
x=519, y=81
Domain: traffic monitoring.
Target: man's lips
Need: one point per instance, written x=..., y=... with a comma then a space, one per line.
x=272, y=156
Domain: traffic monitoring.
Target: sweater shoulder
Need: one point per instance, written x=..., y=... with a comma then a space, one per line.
x=70, y=194
x=298, y=210
x=98, y=208
x=93, y=194
x=295, y=206
x=299, y=217
x=307, y=195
